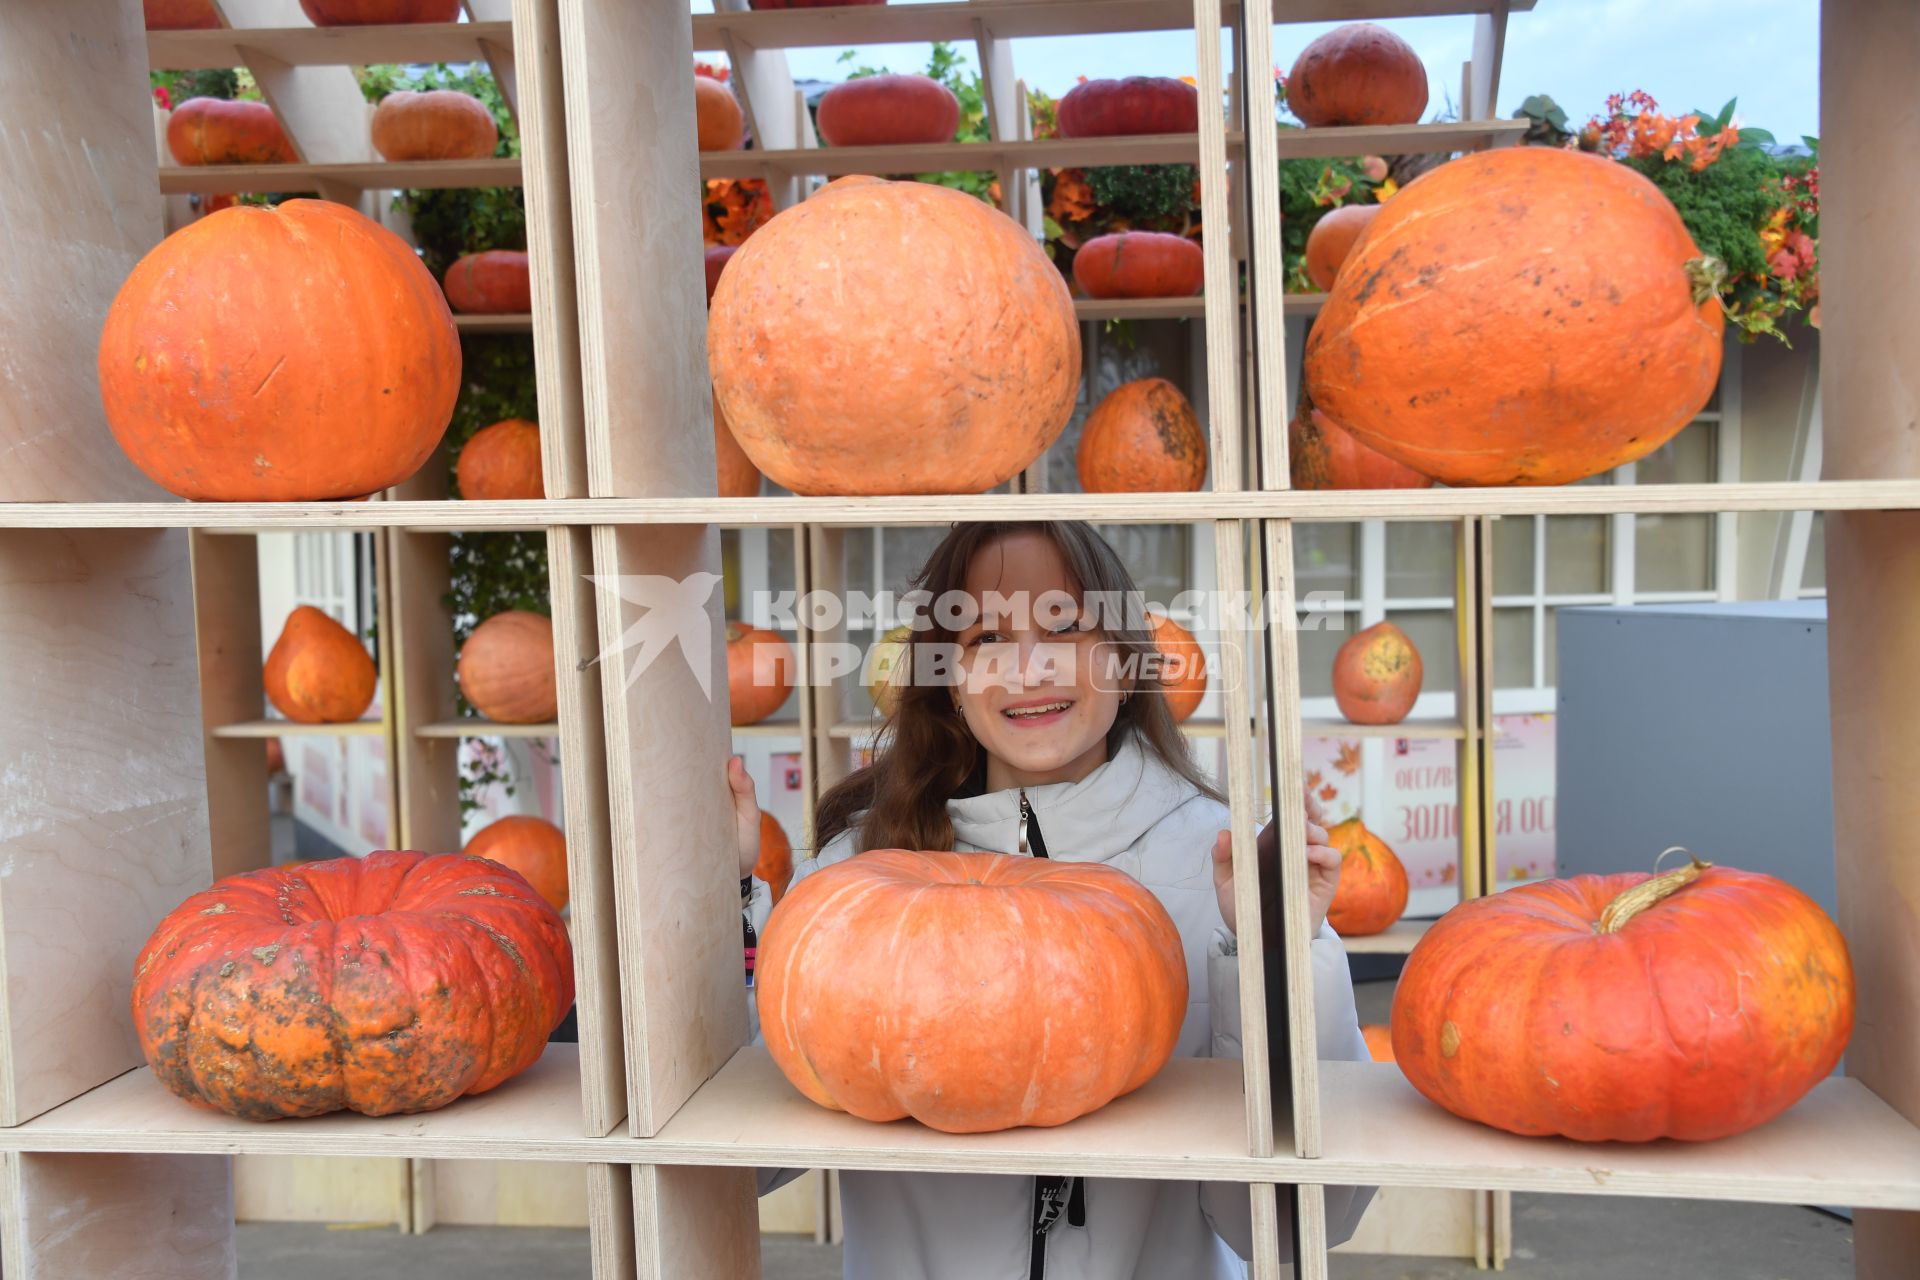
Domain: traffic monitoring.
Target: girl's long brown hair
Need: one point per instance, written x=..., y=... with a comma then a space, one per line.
x=929, y=755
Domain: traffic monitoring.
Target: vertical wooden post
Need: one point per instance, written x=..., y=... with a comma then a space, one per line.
x=226, y=607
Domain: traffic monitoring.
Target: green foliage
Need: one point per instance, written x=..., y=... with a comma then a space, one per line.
x=1723, y=204
x=1310, y=189
x=946, y=65
x=1547, y=124
x=213, y=82
x=1145, y=193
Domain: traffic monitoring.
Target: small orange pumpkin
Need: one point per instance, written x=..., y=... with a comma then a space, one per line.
x=506, y=668
x=494, y=282
x=760, y=669
x=887, y=110
x=180, y=15
x=1184, y=675
x=738, y=477
x=439, y=124
x=501, y=462
x=1143, y=437
x=531, y=846
x=1358, y=74
x=1140, y=264
x=219, y=131
x=1332, y=239
x=318, y=672
x=775, y=867
x=1323, y=455
x=717, y=114
x=1376, y=675
x=1373, y=883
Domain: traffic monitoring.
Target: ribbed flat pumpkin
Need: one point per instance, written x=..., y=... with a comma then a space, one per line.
x=1693, y=1005
x=718, y=120
x=219, y=131
x=775, y=867
x=1331, y=240
x=180, y=15
x=317, y=672
x=738, y=477
x=1322, y=455
x=501, y=461
x=887, y=110
x=760, y=671
x=971, y=991
x=1143, y=437
x=530, y=846
x=288, y=354
x=387, y=984
x=1373, y=883
x=1134, y=105
x=1523, y=316
x=1358, y=74
x=439, y=124
x=893, y=337
x=1140, y=264
x=492, y=282
x=1376, y=675
x=506, y=668
x=359, y=13
x=1185, y=668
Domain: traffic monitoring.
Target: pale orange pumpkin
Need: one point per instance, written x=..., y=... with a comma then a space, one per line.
x=1376, y=675
x=533, y=847
x=501, y=462
x=760, y=670
x=492, y=282
x=717, y=115
x=1331, y=240
x=506, y=668
x=439, y=124
x=1373, y=883
x=318, y=672
x=1143, y=437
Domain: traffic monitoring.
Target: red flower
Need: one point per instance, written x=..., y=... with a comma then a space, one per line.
x=161, y=96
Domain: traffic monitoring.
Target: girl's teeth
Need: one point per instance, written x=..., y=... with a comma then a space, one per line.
x=1038, y=711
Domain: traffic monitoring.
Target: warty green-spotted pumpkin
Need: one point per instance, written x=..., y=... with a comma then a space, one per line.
x=391, y=983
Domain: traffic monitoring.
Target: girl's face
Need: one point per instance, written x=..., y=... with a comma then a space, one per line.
x=1028, y=689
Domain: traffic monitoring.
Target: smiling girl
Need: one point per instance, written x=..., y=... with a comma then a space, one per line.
x=1050, y=738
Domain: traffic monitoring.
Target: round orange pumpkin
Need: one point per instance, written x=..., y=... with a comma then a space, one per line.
x=717, y=115
x=1358, y=74
x=738, y=477
x=358, y=13
x=387, y=984
x=1523, y=316
x=1140, y=264
x=1331, y=240
x=1143, y=437
x=180, y=15
x=775, y=867
x=439, y=124
x=1379, y=1038
x=506, y=668
x=1320, y=455
x=971, y=991
x=318, y=672
x=1693, y=1005
x=760, y=668
x=1135, y=105
x=494, y=282
x=717, y=256
x=887, y=110
x=1373, y=883
x=1184, y=681
x=847, y=344
x=219, y=131
x=501, y=462
x=230, y=351
x=530, y=846
x=1376, y=675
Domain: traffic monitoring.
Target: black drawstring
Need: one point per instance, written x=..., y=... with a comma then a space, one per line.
x=1051, y=1196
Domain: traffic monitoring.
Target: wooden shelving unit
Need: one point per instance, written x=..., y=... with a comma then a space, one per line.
x=115, y=596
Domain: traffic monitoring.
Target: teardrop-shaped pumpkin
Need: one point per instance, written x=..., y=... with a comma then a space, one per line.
x=492, y=282
x=1373, y=883
x=219, y=131
x=1376, y=675
x=531, y=846
x=1143, y=437
x=501, y=462
x=506, y=668
x=318, y=672
x=760, y=670
x=775, y=867
x=1183, y=669
x=439, y=124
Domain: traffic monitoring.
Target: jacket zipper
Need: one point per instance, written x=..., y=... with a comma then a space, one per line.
x=1052, y=1196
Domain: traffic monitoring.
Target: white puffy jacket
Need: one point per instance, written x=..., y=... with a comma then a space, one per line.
x=1135, y=814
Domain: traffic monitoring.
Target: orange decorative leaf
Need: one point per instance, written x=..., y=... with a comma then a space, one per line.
x=1348, y=761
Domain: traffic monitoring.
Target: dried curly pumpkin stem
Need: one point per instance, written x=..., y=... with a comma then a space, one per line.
x=1621, y=911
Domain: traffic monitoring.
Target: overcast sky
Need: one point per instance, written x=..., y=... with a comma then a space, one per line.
x=1686, y=53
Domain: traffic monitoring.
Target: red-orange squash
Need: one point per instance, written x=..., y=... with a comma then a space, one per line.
x=1373, y=883
x=717, y=116
x=808, y=4
x=1320, y=455
x=717, y=256
x=244, y=338
x=506, y=668
x=1524, y=316
x=775, y=867
x=1376, y=675
x=1379, y=1038
x=1693, y=1005
x=220, y=131
x=318, y=672
x=180, y=15
x=1358, y=74
x=1139, y=264
x=439, y=124
x=357, y=13
x=387, y=984
x=530, y=846
x=494, y=282
x=1143, y=437
x=971, y=991
x=501, y=462
x=1184, y=667
x=873, y=371
x=738, y=477
x=887, y=110
x=760, y=671
x=1135, y=105
x=1331, y=240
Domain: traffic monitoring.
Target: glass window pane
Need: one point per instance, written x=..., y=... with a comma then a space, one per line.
x=1317, y=648
x=1673, y=553
x=858, y=547
x=1551, y=652
x=1155, y=554
x=1419, y=560
x=905, y=552
x=1513, y=555
x=1433, y=634
x=1814, y=576
x=1577, y=555
x=1326, y=558
x=1685, y=459
x=1513, y=649
x=780, y=558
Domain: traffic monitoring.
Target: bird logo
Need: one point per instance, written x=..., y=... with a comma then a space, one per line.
x=672, y=611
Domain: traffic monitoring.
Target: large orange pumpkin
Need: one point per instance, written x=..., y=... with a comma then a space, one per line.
x=1624, y=1008
x=971, y=991
x=1523, y=316
x=887, y=110
x=717, y=115
x=439, y=124
x=1373, y=883
x=501, y=461
x=760, y=670
x=357, y=13
x=318, y=672
x=246, y=337
x=180, y=15
x=386, y=984
x=1135, y=105
x=1358, y=74
x=848, y=346
x=493, y=282
x=1184, y=681
x=1376, y=675
x=530, y=846
x=775, y=867
x=738, y=477
x=1143, y=437
x=1140, y=264
x=219, y=131
x=1322, y=455
x=506, y=668
x=1331, y=240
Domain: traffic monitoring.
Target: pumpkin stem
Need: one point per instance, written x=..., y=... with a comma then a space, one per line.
x=1707, y=273
x=1621, y=911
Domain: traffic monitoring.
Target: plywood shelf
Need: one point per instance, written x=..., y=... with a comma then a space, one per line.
x=474, y=727
x=299, y=729
x=1299, y=304
x=1035, y=153
x=1400, y=139
x=767, y=729
x=369, y=176
x=493, y=324
x=1405, y=729
x=326, y=46
x=1396, y=940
